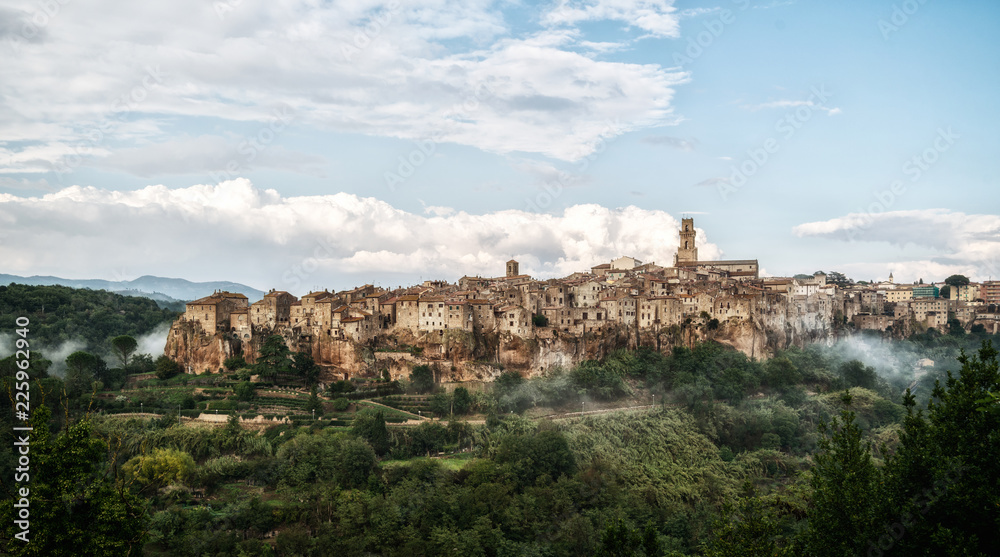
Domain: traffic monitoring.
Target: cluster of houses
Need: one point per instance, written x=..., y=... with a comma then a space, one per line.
x=624, y=292
x=884, y=305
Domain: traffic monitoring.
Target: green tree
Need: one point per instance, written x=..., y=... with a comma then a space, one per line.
x=856, y=374
x=245, y=391
x=305, y=367
x=462, y=399
x=234, y=363
x=846, y=501
x=76, y=504
x=123, y=347
x=936, y=480
x=274, y=357
x=422, y=378
x=314, y=405
x=781, y=374
x=539, y=320
x=370, y=426
x=82, y=368
x=620, y=540
x=143, y=363
x=354, y=462
x=957, y=280
x=160, y=468
x=750, y=527
x=166, y=368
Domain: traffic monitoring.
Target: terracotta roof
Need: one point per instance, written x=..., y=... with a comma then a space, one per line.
x=206, y=301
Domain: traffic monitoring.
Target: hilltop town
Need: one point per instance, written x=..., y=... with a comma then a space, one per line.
x=531, y=325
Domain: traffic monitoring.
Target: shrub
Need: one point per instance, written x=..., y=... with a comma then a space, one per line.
x=166, y=368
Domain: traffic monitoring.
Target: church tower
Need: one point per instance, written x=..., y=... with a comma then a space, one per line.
x=512, y=268
x=685, y=249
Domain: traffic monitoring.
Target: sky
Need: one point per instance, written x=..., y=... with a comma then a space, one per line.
x=303, y=144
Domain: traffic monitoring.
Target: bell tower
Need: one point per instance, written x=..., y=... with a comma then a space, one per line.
x=685, y=249
x=512, y=270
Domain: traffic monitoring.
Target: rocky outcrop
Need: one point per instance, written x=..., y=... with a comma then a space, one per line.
x=458, y=355
x=197, y=351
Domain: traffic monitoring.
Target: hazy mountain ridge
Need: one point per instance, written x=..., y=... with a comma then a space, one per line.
x=161, y=289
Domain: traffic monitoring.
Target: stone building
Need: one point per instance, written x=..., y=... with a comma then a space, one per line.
x=212, y=312
x=273, y=310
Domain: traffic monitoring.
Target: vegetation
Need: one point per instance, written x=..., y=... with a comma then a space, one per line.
x=59, y=314
x=698, y=451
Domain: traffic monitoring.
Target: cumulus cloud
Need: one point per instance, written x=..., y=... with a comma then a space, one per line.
x=105, y=76
x=948, y=242
x=237, y=232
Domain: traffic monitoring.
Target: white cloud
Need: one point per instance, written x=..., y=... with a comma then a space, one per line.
x=209, y=153
x=106, y=76
x=945, y=242
x=670, y=141
x=793, y=104
x=236, y=232
x=653, y=16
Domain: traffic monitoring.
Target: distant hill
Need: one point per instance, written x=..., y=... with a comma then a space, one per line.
x=168, y=291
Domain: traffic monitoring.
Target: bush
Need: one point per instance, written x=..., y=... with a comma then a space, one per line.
x=341, y=404
x=245, y=391
x=338, y=387
x=422, y=378
x=539, y=320
x=234, y=363
x=462, y=400
x=166, y=368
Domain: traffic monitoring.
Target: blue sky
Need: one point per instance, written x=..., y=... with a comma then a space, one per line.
x=299, y=144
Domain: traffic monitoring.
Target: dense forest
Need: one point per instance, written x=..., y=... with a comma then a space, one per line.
x=867, y=447
x=60, y=314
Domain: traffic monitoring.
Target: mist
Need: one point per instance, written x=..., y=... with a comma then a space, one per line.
x=57, y=354
x=151, y=343
x=154, y=342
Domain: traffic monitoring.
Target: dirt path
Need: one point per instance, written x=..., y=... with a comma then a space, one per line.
x=417, y=418
x=569, y=415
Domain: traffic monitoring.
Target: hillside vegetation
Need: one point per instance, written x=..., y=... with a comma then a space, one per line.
x=92, y=317
x=699, y=451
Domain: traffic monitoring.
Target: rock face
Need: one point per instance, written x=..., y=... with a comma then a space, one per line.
x=458, y=355
x=197, y=351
